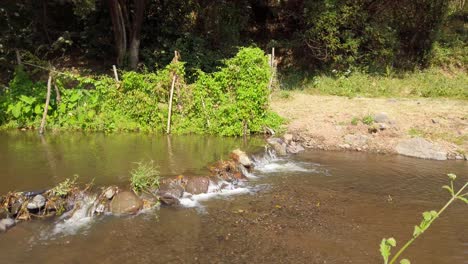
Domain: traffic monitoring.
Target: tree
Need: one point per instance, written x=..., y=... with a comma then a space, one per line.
x=127, y=19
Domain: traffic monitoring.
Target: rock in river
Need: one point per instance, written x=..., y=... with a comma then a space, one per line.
x=421, y=148
x=278, y=145
x=240, y=156
x=197, y=185
x=170, y=192
x=37, y=202
x=125, y=202
x=6, y=224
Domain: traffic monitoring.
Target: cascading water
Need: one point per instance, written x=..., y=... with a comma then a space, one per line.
x=264, y=164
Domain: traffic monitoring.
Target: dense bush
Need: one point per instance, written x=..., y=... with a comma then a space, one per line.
x=231, y=101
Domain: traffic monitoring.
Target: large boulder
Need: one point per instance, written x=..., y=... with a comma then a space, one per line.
x=227, y=170
x=171, y=191
x=420, y=148
x=197, y=185
x=241, y=157
x=126, y=202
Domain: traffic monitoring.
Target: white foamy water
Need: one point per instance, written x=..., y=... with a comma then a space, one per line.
x=76, y=220
x=266, y=164
x=222, y=189
x=279, y=166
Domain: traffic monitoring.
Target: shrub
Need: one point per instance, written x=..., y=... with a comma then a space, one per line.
x=145, y=177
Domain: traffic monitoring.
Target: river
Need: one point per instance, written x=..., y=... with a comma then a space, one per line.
x=315, y=207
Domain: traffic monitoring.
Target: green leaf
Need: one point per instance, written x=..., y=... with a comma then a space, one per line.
x=448, y=189
x=463, y=199
x=28, y=100
x=75, y=96
x=405, y=261
x=16, y=110
x=385, y=248
x=27, y=109
x=427, y=216
x=417, y=231
x=392, y=242
x=38, y=109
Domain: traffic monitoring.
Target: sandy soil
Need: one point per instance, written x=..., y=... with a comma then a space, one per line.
x=323, y=122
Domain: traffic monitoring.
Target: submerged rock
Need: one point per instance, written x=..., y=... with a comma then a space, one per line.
x=6, y=224
x=126, y=202
x=3, y=213
x=421, y=148
x=110, y=192
x=288, y=138
x=278, y=145
x=294, y=148
x=241, y=157
x=227, y=170
x=197, y=185
x=170, y=192
x=37, y=202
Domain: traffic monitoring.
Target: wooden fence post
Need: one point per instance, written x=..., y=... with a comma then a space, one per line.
x=46, y=107
x=168, y=131
x=116, y=76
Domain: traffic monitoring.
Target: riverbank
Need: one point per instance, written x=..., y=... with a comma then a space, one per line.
x=420, y=127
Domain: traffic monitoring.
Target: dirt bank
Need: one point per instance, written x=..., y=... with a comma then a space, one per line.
x=376, y=124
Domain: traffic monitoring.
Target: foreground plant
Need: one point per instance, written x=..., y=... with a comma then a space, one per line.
x=428, y=218
x=144, y=177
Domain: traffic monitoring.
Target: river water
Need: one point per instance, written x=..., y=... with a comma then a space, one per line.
x=315, y=207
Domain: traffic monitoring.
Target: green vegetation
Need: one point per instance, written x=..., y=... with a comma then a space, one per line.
x=451, y=136
x=232, y=101
x=428, y=83
x=428, y=218
x=338, y=47
x=368, y=120
x=145, y=177
x=64, y=188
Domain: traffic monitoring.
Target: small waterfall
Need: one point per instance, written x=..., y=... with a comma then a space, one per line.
x=73, y=221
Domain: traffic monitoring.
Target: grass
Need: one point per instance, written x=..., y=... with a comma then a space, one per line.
x=446, y=136
x=434, y=82
x=144, y=177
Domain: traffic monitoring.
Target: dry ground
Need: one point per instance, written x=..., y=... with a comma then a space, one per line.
x=323, y=121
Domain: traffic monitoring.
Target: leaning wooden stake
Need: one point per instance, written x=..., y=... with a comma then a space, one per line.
x=170, y=104
x=18, y=57
x=46, y=107
x=116, y=76
x=273, y=71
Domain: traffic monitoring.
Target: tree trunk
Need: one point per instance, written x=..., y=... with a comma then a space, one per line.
x=136, y=32
x=118, y=26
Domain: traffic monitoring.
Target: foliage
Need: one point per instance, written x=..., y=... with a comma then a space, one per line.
x=145, y=177
x=65, y=187
x=368, y=120
x=233, y=100
x=428, y=218
x=20, y=102
x=429, y=83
